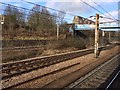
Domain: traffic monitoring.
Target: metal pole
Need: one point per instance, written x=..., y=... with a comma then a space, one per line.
x=57, y=31
x=97, y=36
x=1, y=51
x=109, y=36
x=1, y=30
x=1, y=23
x=103, y=38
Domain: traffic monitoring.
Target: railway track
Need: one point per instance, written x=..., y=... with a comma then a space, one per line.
x=14, y=85
x=22, y=48
x=27, y=65
x=23, y=66
x=99, y=77
x=114, y=83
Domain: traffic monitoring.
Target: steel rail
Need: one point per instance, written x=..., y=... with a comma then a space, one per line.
x=23, y=66
x=87, y=76
x=19, y=67
x=108, y=86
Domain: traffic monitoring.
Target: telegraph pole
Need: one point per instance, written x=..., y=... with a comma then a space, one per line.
x=97, y=36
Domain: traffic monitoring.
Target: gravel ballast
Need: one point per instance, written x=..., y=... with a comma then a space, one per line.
x=40, y=82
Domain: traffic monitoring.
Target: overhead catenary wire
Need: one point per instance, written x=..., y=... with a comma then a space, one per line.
x=48, y=7
x=53, y=9
x=103, y=9
x=96, y=10
x=32, y=10
x=56, y=10
x=26, y=14
x=92, y=7
x=108, y=18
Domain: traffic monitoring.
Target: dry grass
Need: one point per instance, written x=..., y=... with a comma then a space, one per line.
x=55, y=47
x=78, y=43
x=8, y=56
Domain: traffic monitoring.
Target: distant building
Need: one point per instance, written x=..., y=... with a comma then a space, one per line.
x=77, y=20
x=81, y=20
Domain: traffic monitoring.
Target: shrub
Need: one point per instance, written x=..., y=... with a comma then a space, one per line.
x=78, y=43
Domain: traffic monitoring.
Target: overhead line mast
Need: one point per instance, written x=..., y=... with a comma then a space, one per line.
x=97, y=36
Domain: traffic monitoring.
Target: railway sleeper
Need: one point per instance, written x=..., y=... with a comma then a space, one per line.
x=93, y=84
x=96, y=80
x=6, y=71
x=99, y=81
